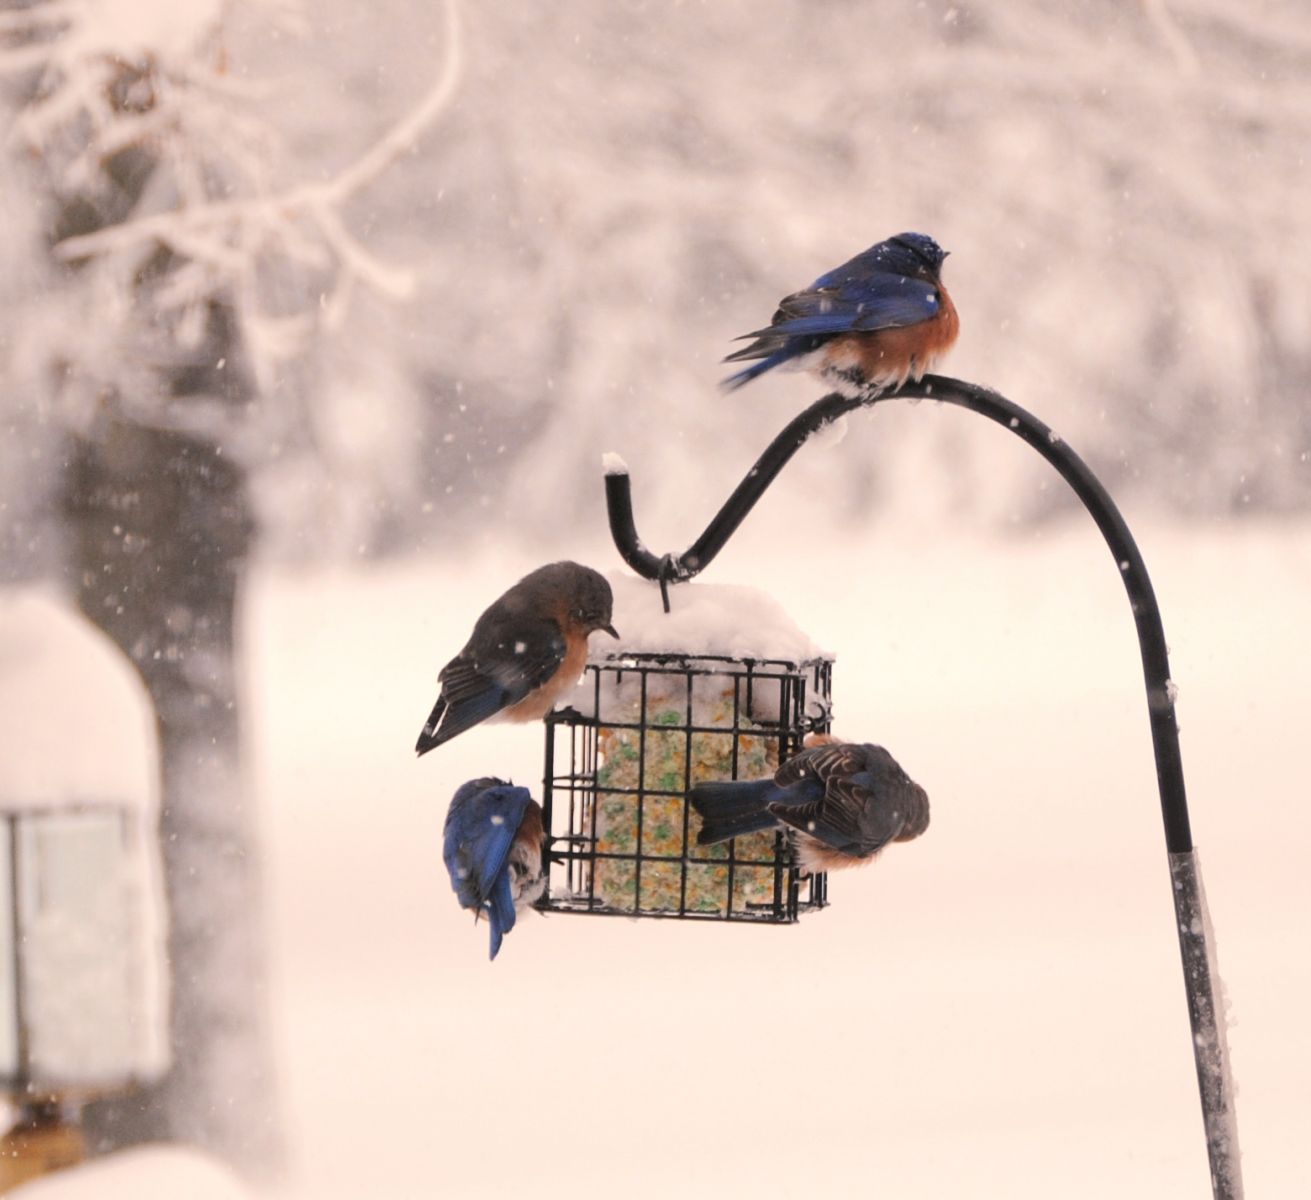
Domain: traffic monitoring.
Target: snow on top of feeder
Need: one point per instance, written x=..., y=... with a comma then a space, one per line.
x=706, y=618
x=77, y=725
x=612, y=464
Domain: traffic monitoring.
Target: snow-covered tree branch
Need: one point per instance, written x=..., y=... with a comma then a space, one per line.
x=114, y=77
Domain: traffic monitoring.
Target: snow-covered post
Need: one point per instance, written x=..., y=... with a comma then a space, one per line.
x=82, y=979
x=1201, y=979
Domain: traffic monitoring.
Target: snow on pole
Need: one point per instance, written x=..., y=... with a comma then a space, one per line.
x=1205, y=1012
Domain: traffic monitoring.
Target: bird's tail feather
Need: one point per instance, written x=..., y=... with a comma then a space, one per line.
x=720, y=831
x=733, y=382
x=731, y=810
x=736, y=799
x=447, y=720
x=428, y=735
x=500, y=912
x=763, y=345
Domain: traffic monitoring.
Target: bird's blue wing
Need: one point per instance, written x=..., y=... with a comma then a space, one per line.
x=480, y=829
x=860, y=304
x=468, y=697
x=498, y=668
x=522, y=657
x=857, y=813
x=834, y=824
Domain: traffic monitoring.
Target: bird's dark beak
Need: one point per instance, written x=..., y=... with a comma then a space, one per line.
x=611, y=630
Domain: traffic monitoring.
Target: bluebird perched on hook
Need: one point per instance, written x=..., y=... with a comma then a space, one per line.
x=841, y=801
x=492, y=848
x=525, y=650
x=865, y=327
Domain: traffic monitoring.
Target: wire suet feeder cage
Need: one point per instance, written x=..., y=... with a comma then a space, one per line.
x=619, y=765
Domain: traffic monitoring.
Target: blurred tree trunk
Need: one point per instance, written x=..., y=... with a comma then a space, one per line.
x=159, y=527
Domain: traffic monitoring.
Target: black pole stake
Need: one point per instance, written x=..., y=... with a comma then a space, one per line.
x=1209, y=1044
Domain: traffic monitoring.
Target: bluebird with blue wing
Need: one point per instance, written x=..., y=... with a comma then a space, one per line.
x=865, y=327
x=841, y=802
x=525, y=650
x=492, y=848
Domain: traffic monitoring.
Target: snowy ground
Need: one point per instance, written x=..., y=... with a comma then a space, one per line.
x=994, y=1010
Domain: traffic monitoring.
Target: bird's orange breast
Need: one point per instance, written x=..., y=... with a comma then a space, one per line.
x=889, y=357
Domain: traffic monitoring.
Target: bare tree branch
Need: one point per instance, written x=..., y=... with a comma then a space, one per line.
x=271, y=214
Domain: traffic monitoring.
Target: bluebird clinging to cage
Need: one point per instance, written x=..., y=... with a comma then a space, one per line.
x=492, y=848
x=866, y=326
x=842, y=801
x=525, y=650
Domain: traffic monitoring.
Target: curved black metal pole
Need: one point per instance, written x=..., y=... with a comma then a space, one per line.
x=1209, y=1047
x=679, y=568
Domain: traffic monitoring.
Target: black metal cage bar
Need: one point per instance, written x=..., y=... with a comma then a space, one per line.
x=621, y=836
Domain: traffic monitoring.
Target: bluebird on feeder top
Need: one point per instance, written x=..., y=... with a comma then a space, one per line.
x=866, y=326
x=525, y=650
x=492, y=847
x=843, y=802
